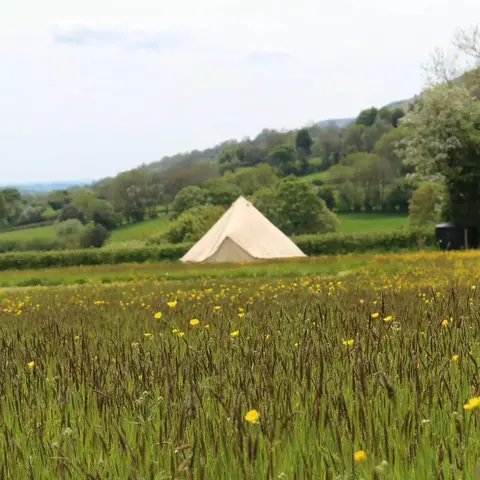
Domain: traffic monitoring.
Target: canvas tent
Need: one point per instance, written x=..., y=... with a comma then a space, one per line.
x=242, y=234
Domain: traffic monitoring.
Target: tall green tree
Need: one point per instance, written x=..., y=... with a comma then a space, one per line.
x=443, y=141
x=367, y=117
x=3, y=210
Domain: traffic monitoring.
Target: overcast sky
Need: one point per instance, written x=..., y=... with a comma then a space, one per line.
x=89, y=88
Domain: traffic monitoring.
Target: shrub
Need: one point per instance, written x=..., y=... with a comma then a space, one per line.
x=190, y=226
x=38, y=244
x=187, y=198
x=70, y=232
x=70, y=258
x=30, y=214
x=70, y=212
x=295, y=208
x=93, y=235
x=365, y=242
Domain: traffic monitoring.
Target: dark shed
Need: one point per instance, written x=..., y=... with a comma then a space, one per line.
x=452, y=237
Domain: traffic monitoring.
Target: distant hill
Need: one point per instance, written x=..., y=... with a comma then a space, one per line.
x=338, y=122
x=45, y=187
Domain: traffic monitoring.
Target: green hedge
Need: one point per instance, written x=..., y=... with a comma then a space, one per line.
x=28, y=226
x=337, y=243
x=37, y=244
x=332, y=243
x=97, y=256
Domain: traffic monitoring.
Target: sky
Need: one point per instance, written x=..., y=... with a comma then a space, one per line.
x=93, y=87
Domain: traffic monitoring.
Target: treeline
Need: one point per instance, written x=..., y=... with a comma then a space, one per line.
x=354, y=168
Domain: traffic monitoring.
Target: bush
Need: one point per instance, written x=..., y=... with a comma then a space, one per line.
x=38, y=244
x=190, y=226
x=295, y=208
x=70, y=258
x=93, y=235
x=187, y=198
x=70, y=232
x=70, y=212
x=335, y=243
x=220, y=192
x=30, y=214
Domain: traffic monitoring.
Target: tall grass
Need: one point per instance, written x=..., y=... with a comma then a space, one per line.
x=332, y=367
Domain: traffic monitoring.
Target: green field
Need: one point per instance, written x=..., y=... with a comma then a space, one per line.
x=381, y=267
x=139, y=231
x=28, y=234
x=370, y=376
x=371, y=222
x=349, y=223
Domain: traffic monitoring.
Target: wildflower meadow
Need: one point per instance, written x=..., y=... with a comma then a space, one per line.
x=372, y=375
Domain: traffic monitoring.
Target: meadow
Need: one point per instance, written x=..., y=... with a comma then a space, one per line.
x=369, y=375
x=349, y=223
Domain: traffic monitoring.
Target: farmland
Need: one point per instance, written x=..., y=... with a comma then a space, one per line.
x=281, y=375
x=349, y=223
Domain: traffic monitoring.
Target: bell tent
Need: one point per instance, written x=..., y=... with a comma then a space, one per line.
x=242, y=234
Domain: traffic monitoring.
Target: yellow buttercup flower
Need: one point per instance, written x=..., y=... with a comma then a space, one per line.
x=194, y=322
x=148, y=334
x=172, y=304
x=236, y=333
x=445, y=323
x=217, y=308
x=472, y=403
x=388, y=319
x=359, y=456
x=158, y=316
x=348, y=342
x=454, y=358
x=31, y=364
x=375, y=315
x=241, y=315
x=252, y=416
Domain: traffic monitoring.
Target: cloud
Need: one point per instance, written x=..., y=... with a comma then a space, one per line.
x=84, y=36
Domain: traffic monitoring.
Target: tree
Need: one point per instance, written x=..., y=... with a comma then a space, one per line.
x=327, y=194
x=30, y=214
x=128, y=194
x=191, y=225
x=3, y=210
x=70, y=212
x=298, y=210
x=283, y=159
x=303, y=141
x=176, y=178
x=425, y=207
x=220, y=192
x=57, y=199
x=367, y=117
x=265, y=200
x=250, y=179
x=398, y=198
x=387, y=147
x=443, y=139
x=327, y=144
x=187, y=198
x=397, y=114
x=93, y=235
x=83, y=200
x=69, y=232
x=102, y=213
